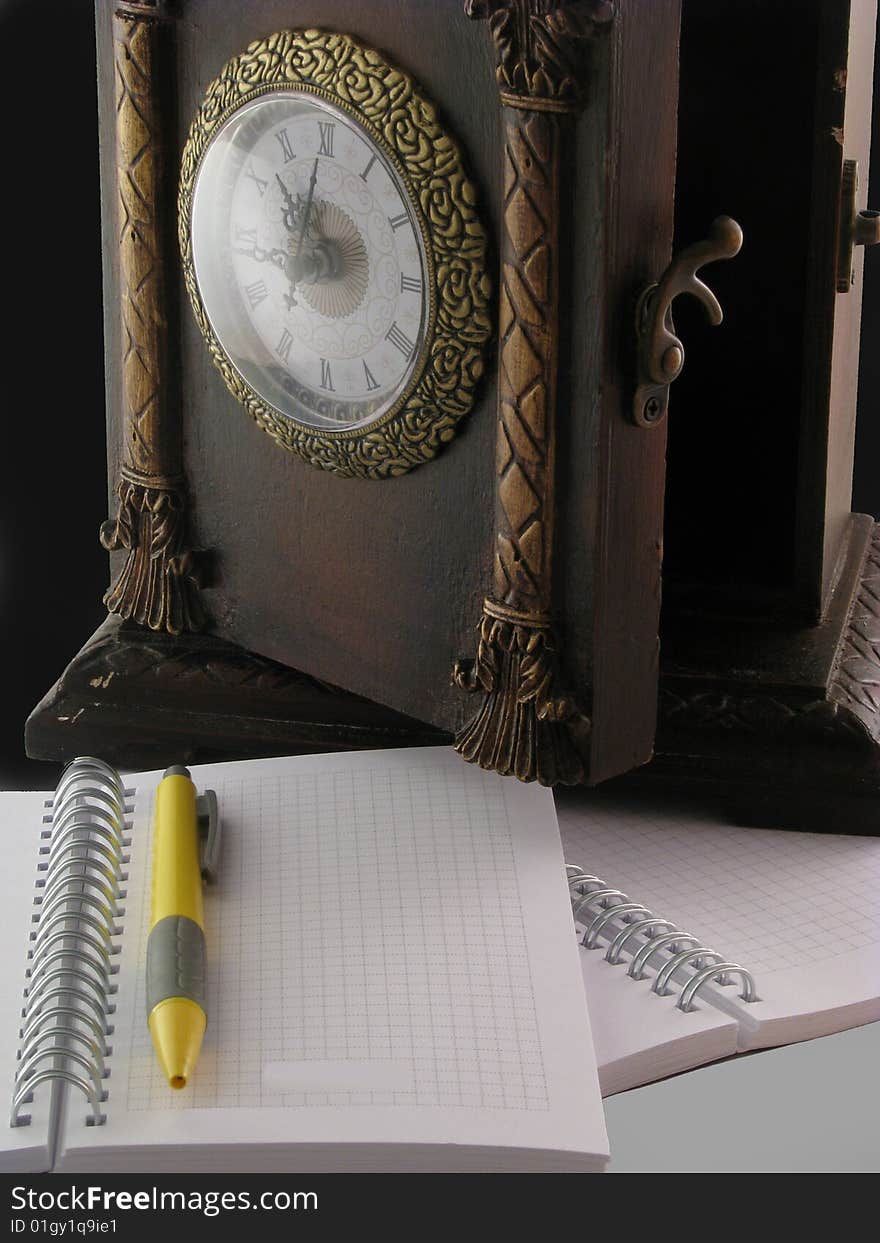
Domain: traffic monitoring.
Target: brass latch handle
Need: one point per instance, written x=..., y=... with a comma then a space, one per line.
x=857, y=228
x=660, y=352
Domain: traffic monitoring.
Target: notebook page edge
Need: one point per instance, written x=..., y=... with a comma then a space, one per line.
x=31, y=1144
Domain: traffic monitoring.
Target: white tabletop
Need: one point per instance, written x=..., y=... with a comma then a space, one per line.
x=807, y=1108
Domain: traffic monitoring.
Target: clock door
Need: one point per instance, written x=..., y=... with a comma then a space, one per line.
x=770, y=651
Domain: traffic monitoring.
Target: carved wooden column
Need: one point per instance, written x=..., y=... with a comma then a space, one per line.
x=156, y=586
x=526, y=724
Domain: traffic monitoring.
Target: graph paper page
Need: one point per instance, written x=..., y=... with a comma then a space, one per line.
x=390, y=959
x=801, y=911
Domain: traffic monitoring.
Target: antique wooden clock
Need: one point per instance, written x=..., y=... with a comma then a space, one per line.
x=368, y=302
x=389, y=301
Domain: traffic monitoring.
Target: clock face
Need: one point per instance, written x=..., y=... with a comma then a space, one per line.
x=333, y=254
x=310, y=262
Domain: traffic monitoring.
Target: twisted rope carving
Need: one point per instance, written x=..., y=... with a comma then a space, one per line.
x=156, y=586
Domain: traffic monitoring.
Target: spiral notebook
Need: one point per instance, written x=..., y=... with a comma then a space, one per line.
x=393, y=983
x=796, y=916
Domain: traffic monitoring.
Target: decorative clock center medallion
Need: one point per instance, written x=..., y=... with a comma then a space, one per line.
x=336, y=273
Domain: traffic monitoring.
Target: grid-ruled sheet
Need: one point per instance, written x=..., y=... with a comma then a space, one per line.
x=801, y=911
x=767, y=898
x=390, y=938
x=362, y=930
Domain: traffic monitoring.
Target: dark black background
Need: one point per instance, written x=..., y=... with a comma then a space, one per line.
x=53, y=498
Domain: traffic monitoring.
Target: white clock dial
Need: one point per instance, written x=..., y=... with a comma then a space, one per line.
x=310, y=261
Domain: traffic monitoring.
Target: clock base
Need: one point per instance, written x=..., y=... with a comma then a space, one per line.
x=143, y=700
x=777, y=725
x=775, y=728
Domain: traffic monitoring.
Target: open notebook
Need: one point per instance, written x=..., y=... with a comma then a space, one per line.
x=799, y=911
x=392, y=984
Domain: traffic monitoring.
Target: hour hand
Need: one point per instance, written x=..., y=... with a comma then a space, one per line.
x=281, y=259
x=291, y=209
x=278, y=257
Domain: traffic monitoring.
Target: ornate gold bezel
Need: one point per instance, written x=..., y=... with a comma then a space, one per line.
x=385, y=101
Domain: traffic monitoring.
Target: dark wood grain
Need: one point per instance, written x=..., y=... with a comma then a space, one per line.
x=143, y=699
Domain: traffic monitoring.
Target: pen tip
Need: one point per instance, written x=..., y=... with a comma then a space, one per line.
x=177, y=1026
x=177, y=770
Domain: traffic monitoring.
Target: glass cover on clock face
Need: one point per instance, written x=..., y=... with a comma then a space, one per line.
x=310, y=261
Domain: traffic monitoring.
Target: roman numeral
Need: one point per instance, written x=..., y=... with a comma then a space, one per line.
x=326, y=129
x=372, y=382
x=411, y=283
x=400, y=340
x=256, y=293
x=286, y=150
x=326, y=377
x=365, y=174
x=282, y=349
x=246, y=235
x=397, y=222
x=260, y=184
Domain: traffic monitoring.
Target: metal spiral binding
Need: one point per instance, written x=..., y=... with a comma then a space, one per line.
x=608, y=914
x=68, y=980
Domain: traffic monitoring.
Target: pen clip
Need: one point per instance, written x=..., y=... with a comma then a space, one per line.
x=209, y=834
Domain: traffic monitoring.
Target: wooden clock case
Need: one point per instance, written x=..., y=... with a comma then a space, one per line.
x=379, y=586
x=765, y=687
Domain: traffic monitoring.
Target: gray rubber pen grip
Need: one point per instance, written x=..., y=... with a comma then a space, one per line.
x=175, y=961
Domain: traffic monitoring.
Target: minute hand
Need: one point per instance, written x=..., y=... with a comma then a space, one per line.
x=308, y=211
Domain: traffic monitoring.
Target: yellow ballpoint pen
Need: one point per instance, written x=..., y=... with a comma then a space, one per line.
x=176, y=945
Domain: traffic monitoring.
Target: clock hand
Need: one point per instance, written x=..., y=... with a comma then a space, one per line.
x=278, y=257
x=281, y=260
x=288, y=215
x=308, y=211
